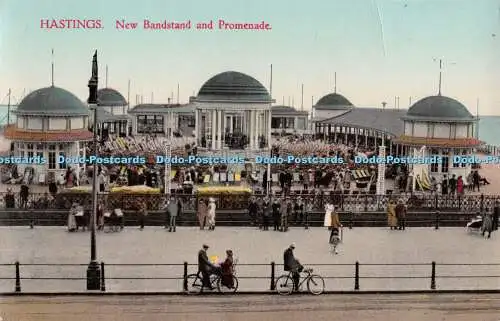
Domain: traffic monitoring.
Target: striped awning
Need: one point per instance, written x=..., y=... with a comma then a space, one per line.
x=360, y=173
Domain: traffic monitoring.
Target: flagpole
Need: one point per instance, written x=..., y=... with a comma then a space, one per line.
x=269, y=135
x=52, y=68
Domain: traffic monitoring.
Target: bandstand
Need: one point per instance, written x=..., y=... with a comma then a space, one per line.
x=112, y=112
x=232, y=111
x=446, y=128
x=331, y=105
x=51, y=122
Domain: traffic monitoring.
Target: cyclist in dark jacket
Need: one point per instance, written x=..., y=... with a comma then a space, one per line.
x=291, y=264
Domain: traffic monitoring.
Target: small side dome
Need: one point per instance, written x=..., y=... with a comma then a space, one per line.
x=439, y=107
x=333, y=101
x=110, y=97
x=52, y=101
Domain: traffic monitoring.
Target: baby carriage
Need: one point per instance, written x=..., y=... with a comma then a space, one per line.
x=80, y=218
x=475, y=224
x=114, y=220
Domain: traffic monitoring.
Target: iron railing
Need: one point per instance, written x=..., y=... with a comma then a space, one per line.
x=345, y=202
x=428, y=275
x=433, y=219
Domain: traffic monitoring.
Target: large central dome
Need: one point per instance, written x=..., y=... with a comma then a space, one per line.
x=52, y=101
x=233, y=86
x=439, y=107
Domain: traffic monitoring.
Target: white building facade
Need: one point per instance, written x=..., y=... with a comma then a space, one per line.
x=51, y=122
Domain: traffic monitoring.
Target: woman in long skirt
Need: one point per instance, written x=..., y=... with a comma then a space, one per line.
x=211, y=215
x=335, y=230
x=72, y=219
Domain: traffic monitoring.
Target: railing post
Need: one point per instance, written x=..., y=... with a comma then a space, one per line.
x=351, y=220
x=356, y=276
x=436, y=218
x=273, y=276
x=103, y=279
x=481, y=207
x=433, y=276
x=18, y=278
x=185, y=277
x=436, y=200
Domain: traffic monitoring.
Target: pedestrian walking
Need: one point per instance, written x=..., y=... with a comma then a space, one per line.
x=276, y=214
x=202, y=213
x=266, y=214
x=173, y=211
x=392, y=220
x=211, y=214
x=496, y=212
x=143, y=213
x=401, y=214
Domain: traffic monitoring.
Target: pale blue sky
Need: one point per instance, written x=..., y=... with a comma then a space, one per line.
x=376, y=58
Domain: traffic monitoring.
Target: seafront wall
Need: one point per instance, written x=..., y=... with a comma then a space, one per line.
x=241, y=218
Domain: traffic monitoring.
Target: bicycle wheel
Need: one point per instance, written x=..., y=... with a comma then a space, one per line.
x=223, y=288
x=316, y=284
x=194, y=284
x=284, y=285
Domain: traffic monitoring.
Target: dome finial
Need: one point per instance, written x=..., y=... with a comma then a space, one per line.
x=335, y=82
x=52, y=67
x=440, y=75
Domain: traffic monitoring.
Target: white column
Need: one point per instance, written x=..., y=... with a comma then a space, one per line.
x=219, y=129
x=231, y=120
x=257, y=126
x=252, y=129
x=213, y=124
x=197, y=125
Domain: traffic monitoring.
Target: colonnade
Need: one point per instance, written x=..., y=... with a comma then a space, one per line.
x=213, y=124
x=361, y=137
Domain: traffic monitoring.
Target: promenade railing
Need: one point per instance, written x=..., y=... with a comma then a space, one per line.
x=345, y=202
x=356, y=277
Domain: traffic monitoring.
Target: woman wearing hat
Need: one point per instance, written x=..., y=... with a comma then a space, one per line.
x=228, y=270
x=392, y=220
x=211, y=214
x=335, y=229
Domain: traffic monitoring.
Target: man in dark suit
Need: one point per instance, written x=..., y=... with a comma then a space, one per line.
x=291, y=264
x=205, y=266
x=496, y=212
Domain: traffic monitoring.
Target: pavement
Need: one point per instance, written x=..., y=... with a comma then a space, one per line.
x=254, y=308
x=379, y=251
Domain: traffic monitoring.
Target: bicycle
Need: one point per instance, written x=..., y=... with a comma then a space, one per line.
x=195, y=282
x=284, y=284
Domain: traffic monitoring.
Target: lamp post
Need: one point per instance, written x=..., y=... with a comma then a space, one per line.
x=93, y=269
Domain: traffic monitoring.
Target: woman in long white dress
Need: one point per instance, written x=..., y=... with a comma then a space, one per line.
x=211, y=214
x=328, y=215
x=71, y=218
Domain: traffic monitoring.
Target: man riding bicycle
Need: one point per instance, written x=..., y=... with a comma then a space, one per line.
x=206, y=267
x=291, y=264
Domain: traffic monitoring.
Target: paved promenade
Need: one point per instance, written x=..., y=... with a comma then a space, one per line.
x=254, y=308
x=251, y=246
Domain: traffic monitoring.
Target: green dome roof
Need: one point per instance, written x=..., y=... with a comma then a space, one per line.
x=333, y=101
x=52, y=101
x=439, y=107
x=110, y=97
x=233, y=86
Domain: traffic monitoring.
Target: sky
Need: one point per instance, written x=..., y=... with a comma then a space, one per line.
x=379, y=49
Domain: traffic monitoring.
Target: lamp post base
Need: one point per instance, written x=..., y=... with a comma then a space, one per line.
x=93, y=276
